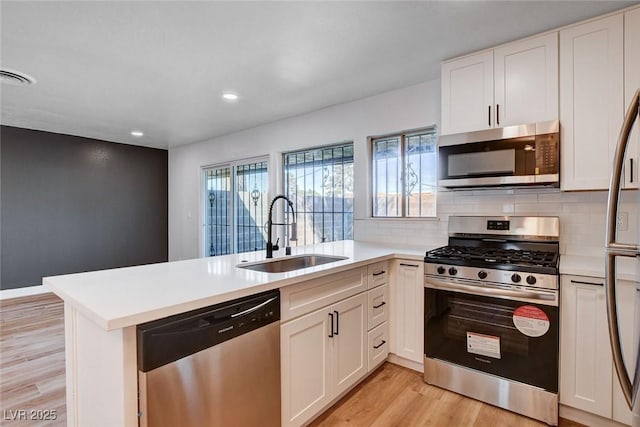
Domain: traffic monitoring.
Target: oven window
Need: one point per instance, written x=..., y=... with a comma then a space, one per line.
x=510, y=339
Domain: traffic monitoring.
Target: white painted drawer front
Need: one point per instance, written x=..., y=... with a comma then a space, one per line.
x=310, y=295
x=378, y=274
x=378, y=311
x=378, y=345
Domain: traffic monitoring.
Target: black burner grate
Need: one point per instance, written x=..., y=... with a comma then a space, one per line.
x=493, y=257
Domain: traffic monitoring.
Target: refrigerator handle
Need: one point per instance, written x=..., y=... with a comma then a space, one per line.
x=614, y=249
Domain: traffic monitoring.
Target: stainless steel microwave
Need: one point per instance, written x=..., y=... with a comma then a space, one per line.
x=515, y=155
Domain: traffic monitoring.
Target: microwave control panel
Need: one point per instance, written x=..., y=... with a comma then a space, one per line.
x=547, y=154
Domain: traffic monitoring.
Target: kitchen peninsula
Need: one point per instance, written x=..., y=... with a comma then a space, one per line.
x=102, y=309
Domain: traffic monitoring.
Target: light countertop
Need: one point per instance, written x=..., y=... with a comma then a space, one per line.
x=123, y=297
x=594, y=266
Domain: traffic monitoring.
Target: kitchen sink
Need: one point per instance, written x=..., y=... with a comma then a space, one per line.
x=282, y=265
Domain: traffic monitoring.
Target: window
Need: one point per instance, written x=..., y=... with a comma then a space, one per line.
x=404, y=174
x=320, y=184
x=236, y=207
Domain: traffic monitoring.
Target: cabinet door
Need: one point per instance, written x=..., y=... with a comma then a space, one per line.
x=627, y=315
x=585, y=357
x=467, y=94
x=526, y=81
x=591, y=101
x=350, y=357
x=631, y=85
x=408, y=309
x=306, y=369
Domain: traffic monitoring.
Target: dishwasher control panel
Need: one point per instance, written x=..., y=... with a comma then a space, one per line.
x=165, y=340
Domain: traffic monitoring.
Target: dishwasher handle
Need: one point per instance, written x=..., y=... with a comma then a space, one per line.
x=254, y=308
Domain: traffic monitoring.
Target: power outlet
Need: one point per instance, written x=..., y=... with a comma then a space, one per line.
x=623, y=221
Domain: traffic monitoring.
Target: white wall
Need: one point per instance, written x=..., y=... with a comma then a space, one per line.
x=407, y=108
x=582, y=214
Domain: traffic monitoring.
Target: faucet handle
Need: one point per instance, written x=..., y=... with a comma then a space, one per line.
x=275, y=245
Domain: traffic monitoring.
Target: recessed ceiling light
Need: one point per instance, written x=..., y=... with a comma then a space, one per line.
x=137, y=133
x=230, y=96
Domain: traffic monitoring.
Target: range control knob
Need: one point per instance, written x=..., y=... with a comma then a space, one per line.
x=531, y=280
x=515, y=278
x=453, y=271
x=482, y=274
x=441, y=270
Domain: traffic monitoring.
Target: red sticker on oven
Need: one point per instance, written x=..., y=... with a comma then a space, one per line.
x=531, y=321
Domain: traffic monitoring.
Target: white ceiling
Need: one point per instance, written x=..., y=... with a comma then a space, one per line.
x=106, y=68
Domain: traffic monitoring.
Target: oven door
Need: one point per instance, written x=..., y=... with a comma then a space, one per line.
x=500, y=335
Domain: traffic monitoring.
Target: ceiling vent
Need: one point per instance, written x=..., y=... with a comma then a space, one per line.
x=16, y=78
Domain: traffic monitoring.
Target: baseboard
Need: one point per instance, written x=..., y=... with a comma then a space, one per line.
x=406, y=363
x=587, y=418
x=23, y=292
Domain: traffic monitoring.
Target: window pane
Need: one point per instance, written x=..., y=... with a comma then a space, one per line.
x=217, y=219
x=386, y=177
x=420, y=171
x=320, y=184
x=251, y=206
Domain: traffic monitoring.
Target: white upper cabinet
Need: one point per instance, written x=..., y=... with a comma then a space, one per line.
x=513, y=84
x=591, y=101
x=467, y=93
x=631, y=85
x=526, y=81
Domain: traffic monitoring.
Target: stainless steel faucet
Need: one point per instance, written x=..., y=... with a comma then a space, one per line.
x=293, y=237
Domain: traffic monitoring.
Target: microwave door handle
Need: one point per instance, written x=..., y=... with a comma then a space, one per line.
x=614, y=249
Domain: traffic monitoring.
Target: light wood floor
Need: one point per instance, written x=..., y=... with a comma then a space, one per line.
x=32, y=359
x=397, y=396
x=32, y=377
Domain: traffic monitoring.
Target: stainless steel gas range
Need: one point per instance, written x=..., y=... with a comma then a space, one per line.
x=491, y=313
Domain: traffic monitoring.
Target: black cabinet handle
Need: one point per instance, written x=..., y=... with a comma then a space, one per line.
x=409, y=265
x=498, y=114
x=331, y=316
x=379, y=273
x=379, y=305
x=489, y=115
x=337, y=332
x=580, y=282
x=631, y=169
x=380, y=345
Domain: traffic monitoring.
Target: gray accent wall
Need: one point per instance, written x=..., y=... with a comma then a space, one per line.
x=72, y=204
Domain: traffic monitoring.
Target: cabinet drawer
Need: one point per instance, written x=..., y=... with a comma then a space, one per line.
x=378, y=274
x=310, y=295
x=378, y=310
x=378, y=345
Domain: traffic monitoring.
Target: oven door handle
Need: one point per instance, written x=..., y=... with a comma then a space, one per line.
x=487, y=291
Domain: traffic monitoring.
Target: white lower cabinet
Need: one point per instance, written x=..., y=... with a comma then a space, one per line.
x=378, y=341
x=585, y=358
x=323, y=353
x=407, y=319
x=587, y=377
x=378, y=306
x=348, y=346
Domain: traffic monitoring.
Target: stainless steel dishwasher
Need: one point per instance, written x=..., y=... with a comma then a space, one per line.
x=215, y=366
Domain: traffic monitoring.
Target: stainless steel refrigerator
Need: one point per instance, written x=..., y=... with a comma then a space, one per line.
x=629, y=376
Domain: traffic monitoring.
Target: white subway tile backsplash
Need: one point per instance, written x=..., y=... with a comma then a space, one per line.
x=582, y=217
